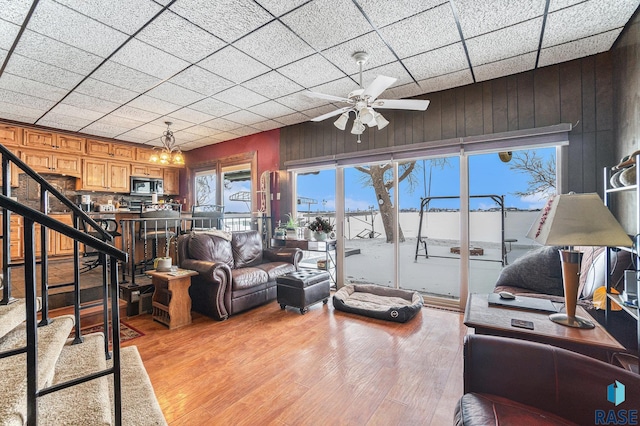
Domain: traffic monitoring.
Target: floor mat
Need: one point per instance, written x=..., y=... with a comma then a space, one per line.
x=126, y=331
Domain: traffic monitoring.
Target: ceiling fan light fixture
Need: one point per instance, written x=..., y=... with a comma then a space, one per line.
x=358, y=127
x=367, y=115
x=381, y=121
x=341, y=122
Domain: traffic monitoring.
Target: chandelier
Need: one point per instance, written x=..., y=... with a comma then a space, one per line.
x=169, y=153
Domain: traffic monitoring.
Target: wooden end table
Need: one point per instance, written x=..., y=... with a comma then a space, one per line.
x=171, y=302
x=493, y=320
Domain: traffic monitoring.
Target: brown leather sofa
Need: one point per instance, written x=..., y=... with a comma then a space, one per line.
x=517, y=382
x=235, y=273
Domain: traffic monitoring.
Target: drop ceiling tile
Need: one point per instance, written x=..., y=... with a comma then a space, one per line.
x=437, y=27
x=148, y=59
x=505, y=43
x=561, y=4
x=226, y=136
x=203, y=131
x=245, y=131
x=127, y=111
x=176, y=125
x=62, y=123
x=504, y=67
x=15, y=10
x=280, y=7
x=271, y=109
x=274, y=45
x=127, y=137
x=405, y=91
x=481, y=17
x=103, y=129
x=394, y=69
x=233, y=65
x=122, y=76
x=44, y=73
x=317, y=112
x=342, y=54
x=30, y=87
x=326, y=23
x=437, y=62
x=78, y=30
x=221, y=124
x=21, y=99
x=272, y=85
x=340, y=87
x=213, y=107
x=240, y=97
x=175, y=94
x=91, y=103
x=137, y=135
x=3, y=55
x=98, y=89
x=384, y=12
x=123, y=15
x=586, y=19
x=267, y=125
x=190, y=115
x=73, y=111
x=186, y=136
x=69, y=117
x=44, y=49
x=153, y=128
x=299, y=101
x=311, y=71
x=291, y=119
x=177, y=36
x=579, y=48
x=125, y=123
x=20, y=113
x=244, y=117
x=158, y=106
x=8, y=33
x=201, y=81
x=443, y=82
x=226, y=19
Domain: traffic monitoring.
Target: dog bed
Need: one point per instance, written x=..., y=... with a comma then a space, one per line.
x=379, y=302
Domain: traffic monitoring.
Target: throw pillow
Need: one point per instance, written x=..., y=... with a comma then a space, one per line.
x=596, y=273
x=539, y=270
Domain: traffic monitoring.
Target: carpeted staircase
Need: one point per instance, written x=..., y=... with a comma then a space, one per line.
x=89, y=403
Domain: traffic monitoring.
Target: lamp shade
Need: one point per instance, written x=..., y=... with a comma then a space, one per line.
x=578, y=220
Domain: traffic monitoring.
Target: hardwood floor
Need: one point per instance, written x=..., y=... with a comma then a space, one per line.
x=268, y=366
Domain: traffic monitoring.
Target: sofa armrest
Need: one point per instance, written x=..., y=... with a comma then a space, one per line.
x=556, y=380
x=283, y=254
x=209, y=287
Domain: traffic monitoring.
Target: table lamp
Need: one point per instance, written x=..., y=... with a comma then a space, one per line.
x=570, y=220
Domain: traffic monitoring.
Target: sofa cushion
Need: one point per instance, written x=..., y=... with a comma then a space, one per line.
x=247, y=277
x=209, y=247
x=276, y=269
x=247, y=248
x=539, y=270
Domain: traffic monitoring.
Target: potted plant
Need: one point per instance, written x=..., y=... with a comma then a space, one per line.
x=291, y=226
x=321, y=227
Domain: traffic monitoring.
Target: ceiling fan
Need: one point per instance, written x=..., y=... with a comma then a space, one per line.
x=363, y=101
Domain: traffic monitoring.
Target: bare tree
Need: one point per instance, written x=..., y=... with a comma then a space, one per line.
x=542, y=174
x=205, y=188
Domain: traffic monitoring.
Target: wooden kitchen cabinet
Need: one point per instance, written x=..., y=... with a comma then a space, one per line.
x=60, y=164
x=10, y=135
x=171, y=181
x=49, y=140
x=15, y=176
x=143, y=154
x=116, y=151
x=145, y=170
x=102, y=175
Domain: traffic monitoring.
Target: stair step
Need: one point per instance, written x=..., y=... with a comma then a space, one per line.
x=13, y=314
x=13, y=386
x=84, y=404
x=139, y=404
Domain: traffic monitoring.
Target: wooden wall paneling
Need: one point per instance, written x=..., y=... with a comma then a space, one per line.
x=460, y=107
x=526, y=115
x=307, y=143
x=487, y=108
x=605, y=157
x=365, y=141
x=433, y=118
x=570, y=81
x=604, y=92
x=575, y=162
x=448, y=114
x=512, y=102
x=588, y=95
x=473, y=106
x=417, y=126
x=500, y=105
x=317, y=139
x=589, y=161
x=341, y=137
x=547, y=96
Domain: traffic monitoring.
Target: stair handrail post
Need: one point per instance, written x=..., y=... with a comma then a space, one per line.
x=115, y=330
x=105, y=304
x=6, y=232
x=77, y=338
x=44, y=260
x=31, y=319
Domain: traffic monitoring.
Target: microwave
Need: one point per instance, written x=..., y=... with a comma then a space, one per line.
x=146, y=186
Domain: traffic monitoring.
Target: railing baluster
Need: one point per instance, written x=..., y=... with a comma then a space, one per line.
x=32, y=332
x=115, y=327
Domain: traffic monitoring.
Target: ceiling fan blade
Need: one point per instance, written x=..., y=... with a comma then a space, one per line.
x=331, y=114
x=311, y=94
x=378, y=86
x=414, y=104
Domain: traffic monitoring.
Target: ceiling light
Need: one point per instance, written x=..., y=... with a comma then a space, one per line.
x=380, y=121
x=358, y=127
x=366, y=115
x=169, y=153
x=341, y=122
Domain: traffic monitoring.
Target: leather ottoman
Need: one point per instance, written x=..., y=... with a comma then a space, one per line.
x=303, y=288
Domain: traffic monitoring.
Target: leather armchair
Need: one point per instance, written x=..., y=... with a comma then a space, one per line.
x=510, y=381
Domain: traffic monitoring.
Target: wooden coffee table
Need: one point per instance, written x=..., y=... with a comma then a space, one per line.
x=496, y=321
x=171, y=301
